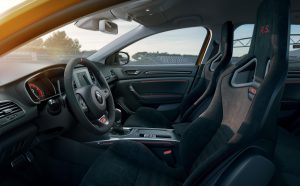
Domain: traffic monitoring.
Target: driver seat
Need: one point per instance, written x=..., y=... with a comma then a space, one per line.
x=241, y=115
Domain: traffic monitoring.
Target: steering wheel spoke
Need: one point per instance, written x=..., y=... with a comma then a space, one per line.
x=82, y=103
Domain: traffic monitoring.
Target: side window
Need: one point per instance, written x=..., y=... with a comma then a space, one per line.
x=180, y=46
x=242, y=40
x=294, y=54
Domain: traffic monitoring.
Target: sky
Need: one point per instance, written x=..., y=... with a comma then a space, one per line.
x=7, y=4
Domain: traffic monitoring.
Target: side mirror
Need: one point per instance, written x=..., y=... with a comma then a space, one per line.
x=108, y=27
x=123, y=58
x=119, y=58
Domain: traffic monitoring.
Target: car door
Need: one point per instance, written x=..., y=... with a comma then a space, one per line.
x=290, y=104
x=161, y=71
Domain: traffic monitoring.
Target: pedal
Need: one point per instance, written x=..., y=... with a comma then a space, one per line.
x=22, y=160
x=19, y=161
x=29, y=156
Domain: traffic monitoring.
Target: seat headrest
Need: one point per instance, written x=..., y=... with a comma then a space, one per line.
x=265, y=44
x=227, y=35
x=225, y=50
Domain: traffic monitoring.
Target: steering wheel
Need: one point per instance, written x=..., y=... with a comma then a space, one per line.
x=92, y=105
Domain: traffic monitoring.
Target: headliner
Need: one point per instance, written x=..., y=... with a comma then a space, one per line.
x=190, y=12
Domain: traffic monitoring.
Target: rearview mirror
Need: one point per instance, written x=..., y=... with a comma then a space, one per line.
x=108, y=27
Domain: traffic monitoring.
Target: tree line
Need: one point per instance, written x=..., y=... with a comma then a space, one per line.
x=58, y=43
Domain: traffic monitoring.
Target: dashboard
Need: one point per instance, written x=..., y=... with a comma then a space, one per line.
x=33, y=104
x=29, y=90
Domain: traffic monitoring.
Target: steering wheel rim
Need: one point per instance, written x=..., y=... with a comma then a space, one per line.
x=98, y=100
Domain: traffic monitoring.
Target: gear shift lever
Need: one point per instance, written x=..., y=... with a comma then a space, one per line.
x=117, y=127
x=118, y=116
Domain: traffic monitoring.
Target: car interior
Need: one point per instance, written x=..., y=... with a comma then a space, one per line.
x=150, y=92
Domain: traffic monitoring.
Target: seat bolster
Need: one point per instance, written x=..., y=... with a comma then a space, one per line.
x=194, y=139
x=148, y=117
x=140, y=155
x=128, y=163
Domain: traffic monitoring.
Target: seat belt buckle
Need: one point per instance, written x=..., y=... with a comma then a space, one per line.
x=168, y=157
x=252, y=92
x=168, y=152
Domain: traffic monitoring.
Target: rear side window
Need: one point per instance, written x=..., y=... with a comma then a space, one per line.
x=181, y=46
x=294, y=55
x=243, y=36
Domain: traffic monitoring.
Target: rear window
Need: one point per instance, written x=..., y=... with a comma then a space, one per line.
x=242, y=40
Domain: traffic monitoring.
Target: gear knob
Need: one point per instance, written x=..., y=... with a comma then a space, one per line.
x=118, y=116
x=117, y=127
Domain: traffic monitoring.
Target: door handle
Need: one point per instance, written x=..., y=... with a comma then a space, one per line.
x=132, y=72
x=134, y=92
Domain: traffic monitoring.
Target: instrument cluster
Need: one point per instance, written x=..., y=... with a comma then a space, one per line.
x=45, y=85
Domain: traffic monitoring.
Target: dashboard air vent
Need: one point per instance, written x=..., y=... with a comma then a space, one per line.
x=9, y=111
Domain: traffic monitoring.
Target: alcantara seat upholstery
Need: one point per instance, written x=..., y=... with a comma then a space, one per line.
x=242, y=114
x=198, y=99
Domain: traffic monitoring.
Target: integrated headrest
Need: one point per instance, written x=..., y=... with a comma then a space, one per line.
x=227, y=36
x=225, y=46
x=271, y=16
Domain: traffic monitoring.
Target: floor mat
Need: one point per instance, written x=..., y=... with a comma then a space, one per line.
x=287, y=158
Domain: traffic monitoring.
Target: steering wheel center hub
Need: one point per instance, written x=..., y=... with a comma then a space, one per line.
x=98, y=98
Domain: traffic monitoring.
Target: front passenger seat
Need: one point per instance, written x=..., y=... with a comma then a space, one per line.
x=201, y=95
x=242, y=115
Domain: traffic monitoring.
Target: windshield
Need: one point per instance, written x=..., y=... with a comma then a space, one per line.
x=9, y=5
x=65, y=43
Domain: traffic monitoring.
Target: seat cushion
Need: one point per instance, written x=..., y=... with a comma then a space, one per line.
x=131, y=163
x=148, y=117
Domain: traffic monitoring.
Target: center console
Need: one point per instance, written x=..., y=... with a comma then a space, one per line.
x=156, y=137
x=163, y=142
x=149, y=136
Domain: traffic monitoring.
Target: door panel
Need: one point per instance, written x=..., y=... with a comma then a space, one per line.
x=166, y=84
x=290, y=103
x=159, y=91
x=159, y=87
x=291, y=95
